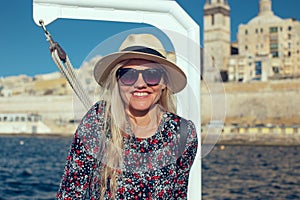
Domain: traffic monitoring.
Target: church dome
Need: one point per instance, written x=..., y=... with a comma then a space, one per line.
x=265, y=19
x=265, y=15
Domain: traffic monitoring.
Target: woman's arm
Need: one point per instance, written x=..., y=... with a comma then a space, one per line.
x=185, y=161
x=81, y=160
x=79, y=166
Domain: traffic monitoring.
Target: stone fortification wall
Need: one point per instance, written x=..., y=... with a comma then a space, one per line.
x=50, y=107
x=56, y=111
x=274, y=103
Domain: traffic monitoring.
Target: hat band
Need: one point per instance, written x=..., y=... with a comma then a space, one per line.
x=143, y=49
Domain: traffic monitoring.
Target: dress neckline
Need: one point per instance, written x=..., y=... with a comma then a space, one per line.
x=157, y=132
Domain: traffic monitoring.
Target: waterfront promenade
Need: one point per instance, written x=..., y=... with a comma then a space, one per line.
x=263, y=135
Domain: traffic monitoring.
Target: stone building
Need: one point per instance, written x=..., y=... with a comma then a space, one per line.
x=267, y=47
x=216, y=37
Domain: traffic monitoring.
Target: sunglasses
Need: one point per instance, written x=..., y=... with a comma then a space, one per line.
x=151, y=76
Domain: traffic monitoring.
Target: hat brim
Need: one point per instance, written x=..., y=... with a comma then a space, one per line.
x=176, y=77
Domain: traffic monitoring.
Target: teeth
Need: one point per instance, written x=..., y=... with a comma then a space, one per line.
x=140, y=94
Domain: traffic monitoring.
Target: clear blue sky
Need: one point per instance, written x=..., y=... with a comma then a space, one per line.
x=24, y=49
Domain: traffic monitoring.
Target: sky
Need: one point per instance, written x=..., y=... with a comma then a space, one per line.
x=24, y=49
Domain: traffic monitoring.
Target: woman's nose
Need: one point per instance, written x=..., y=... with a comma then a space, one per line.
x=140, y=83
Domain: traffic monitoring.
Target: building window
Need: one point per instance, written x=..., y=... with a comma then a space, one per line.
x=275, y=54
x=273, y=29
x=289, y=54
x=246, y=32
x=212, y=19
x=289, y=36
x=258, y=68
x=261, y=30
x=276, y=70
x=289, y=28
x=274, y=46
x=246, y=47
x=256, y=30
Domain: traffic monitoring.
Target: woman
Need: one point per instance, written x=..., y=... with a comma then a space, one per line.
x=131, y=144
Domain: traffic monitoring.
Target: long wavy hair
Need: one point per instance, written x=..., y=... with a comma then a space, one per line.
x=114, y=126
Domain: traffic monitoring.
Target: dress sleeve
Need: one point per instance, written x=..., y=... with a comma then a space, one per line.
x=185, y=161
x=81, y=160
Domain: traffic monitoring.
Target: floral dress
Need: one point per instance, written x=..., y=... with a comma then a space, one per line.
x=153, y=168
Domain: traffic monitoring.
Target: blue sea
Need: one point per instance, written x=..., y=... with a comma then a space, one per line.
x=31, y=168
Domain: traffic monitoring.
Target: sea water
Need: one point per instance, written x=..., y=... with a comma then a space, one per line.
x=251, y=172
x=31, y=168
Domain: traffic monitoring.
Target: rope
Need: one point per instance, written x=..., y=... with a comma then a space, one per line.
x=68, y=72
x=63, y=63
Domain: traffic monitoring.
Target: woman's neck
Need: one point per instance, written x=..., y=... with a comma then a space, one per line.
x=145, y=125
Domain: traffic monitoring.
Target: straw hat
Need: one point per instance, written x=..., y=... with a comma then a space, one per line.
x=147, y=47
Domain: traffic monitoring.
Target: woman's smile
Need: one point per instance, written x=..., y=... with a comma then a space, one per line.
x=140, y=94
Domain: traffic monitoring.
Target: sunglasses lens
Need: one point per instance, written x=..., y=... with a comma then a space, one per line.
x=127, y=76
x=152, y=76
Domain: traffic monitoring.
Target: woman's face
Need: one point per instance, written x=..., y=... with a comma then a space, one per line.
x=140, y=95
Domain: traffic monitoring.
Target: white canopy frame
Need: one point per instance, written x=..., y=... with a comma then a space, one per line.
x=163, y=14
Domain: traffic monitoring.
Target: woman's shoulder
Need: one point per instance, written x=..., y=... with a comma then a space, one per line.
x=99, y=106
x=96, y=110
x=176, y=121
x=93, y=116
x=90, y=127
x=169, y=116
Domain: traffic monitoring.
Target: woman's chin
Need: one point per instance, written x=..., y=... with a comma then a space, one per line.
x=139, y=107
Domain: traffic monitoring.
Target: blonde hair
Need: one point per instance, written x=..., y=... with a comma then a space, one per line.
x=115, y=124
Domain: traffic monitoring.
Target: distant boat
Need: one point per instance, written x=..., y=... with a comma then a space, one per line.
x=22, y=123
